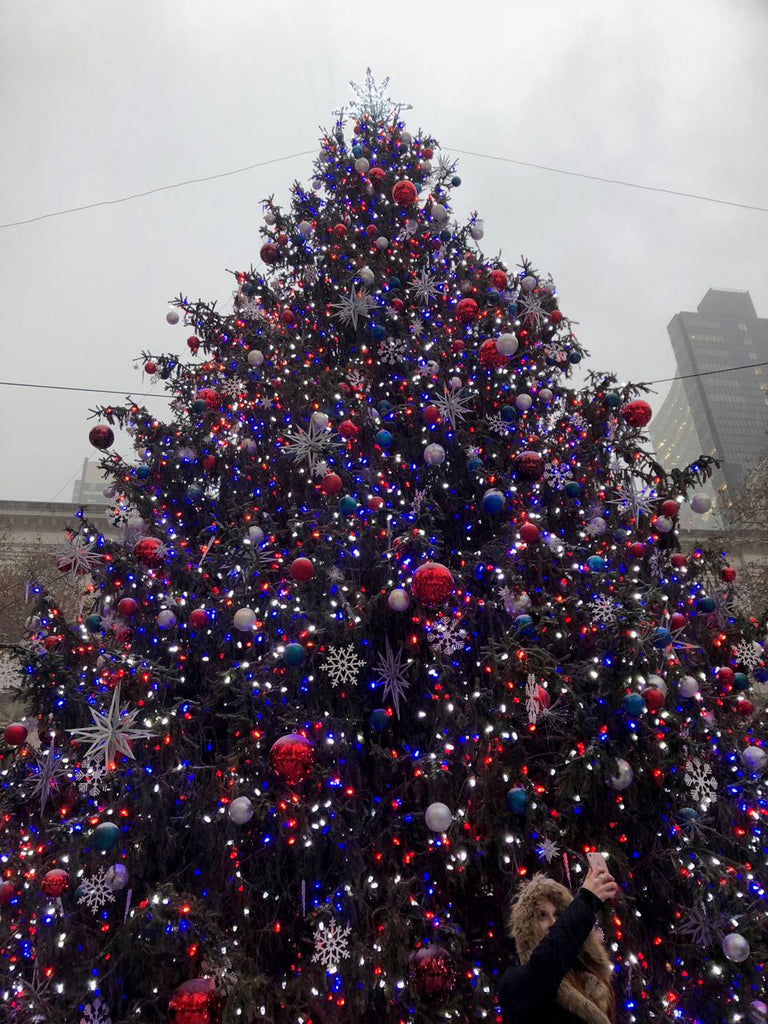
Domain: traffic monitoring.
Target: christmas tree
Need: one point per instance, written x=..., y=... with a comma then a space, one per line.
x=392, y=618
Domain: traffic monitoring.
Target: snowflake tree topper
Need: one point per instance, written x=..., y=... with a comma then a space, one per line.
x=112, y=731
x=371, y=100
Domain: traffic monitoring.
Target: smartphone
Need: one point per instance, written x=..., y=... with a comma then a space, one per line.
x=597, y=862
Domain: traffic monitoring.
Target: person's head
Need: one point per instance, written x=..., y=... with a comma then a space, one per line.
x=546, y=915
x=538, y=905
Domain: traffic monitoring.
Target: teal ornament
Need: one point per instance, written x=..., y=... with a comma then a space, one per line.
x=634, y=705
x=395, y=282
x=384, y=407
x=455, y=181
x=509, y=414
x=384, y=438
x=612, y=400
x=687, y=818
x=740, y=681
x=199, y=406
x=706, y=605
x=142, y=472
x=379, y=719
x=294, y=654
x=573, y=488
x=347, y=505
x=379, y=333
x=493, y=501
x=595, y=563
x=574, y=357
x=524, y=625
x=474, y=465
x=517, y=800
x=93, y=623
x=106, y=836
x=357, y=152
x=194, y=492
x=661, y=638
x=445, y=235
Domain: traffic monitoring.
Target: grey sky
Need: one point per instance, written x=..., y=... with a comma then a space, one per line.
x=101, y=98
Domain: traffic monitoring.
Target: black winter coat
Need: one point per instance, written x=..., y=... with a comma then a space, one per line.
x=528, y=993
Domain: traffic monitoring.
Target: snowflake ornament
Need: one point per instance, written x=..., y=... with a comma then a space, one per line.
x=635, y=499
x=95, y=892
x=604, y=610
x=408, y=230
x=547, y=850
x=96, y=1013
x=497, y=425
x=359, y=381
x=312, y=445
x=233, y=388
x=112, y=732
x=557, y=474
x=701, y=781
x=749, y=653
x=76, y=557
x=532, y=703
x=391, y=674
x=393, y=350
x=418, y=500
x=90, y=778
x=331, y=944
x=447, y=637
x=343, y=665
x=699, y=928
x=350, y=308
x=251, y=310
x=425, y=288
x=454, y=405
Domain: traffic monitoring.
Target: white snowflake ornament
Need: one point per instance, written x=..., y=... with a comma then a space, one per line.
x=343, y=665
x=701, y=781
x=331, y=944
x=96, y=1013
x=95, y=891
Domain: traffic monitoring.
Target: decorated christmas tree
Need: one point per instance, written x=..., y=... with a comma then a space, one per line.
x=391, y=618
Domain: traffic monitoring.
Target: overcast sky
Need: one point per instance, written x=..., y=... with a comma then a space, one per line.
x=103, y=98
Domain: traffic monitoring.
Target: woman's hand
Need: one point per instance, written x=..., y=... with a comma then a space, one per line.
x=600, y=884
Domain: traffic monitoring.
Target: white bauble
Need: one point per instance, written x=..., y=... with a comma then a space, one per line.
x=597, y=526
x=305, y=228
x=249, y=446
x=406, y=138
x=317, y=184
x=255, y=358
x=438, y=817
x=367, y=276
x=701, y=503
x=545, y=394
x=528, y=283
x=476, y=232
x=523, y=402
x=439, y=213
x=269, y=217
x=426, y=166
x=255, y=534
x=324, y=157
x=624, y=776
x=116, y=877
x=433, y=367
x=456, y=383
x=362, y=166
x=507, y=344
x=736, y=948
x=172, y=316
x=688, y=687
x=520, y=604
x=166, y=619
x=109, y=491
x=241, y=810
x=758, y=1012
x=319, y=419
x=664, y=524
x=754, y=758
x=382, y=243
x=434, y=454
x=657, y=683
x=244, y=619
x=399, y=599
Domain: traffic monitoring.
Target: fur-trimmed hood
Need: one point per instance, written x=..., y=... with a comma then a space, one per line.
x=592, y=1007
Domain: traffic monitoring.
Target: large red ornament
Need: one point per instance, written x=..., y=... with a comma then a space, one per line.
x=55, y=882
x=670, y=508
x=555, y=317
x=302, y=569
x=654, y=699
x=292, y=758
x=348, y=429
x=490, y=357
x=498, y=279
x=198, y=618
x=530, y=533
x=377, y=174
x=528, y=466
x=331, y=483
x=15, y=734
x=196, y=1002
x=636, y=549
x=149, y=551
x=101, y=437
x=466, y=311
x=432, y=583
x=728, y=574
x=432, y=972
x=637, y=413
x=679, y=560
x=210, y=396
x=269, y=253
x=404, y=193
x=127, y=606
x=677, y=621
x=726, y=677
x=432, y=414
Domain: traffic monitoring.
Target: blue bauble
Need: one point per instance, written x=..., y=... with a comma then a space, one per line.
x=93, y=623
x=194, y=492
x=706, y=605
x=248, y=289
x=493, y=501
x=378, y=332
x=347, y=505
x=661, y=638
x=574, y=357
x=612, y=400
x=106, y=836
x=761, y=674
x=524, y=625
x=379, y=719
x=687, y=818
x=474, y=465
x=384, y=439
x=573, y=488
x=512, y=307
x=455, y=181
x=395, y=282
x=517, y=800
x=445, y=235
x=142, y=472
x=357, y=152
x=509, y=414
x=740, y=681
x=595, y=563
x=294, y=654
x=199, y=406
x=384, y=407
x=634, y=705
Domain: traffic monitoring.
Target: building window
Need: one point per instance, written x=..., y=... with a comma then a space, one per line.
x=743, y=327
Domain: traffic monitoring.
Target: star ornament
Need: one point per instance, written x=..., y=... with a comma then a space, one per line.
x=112, y=733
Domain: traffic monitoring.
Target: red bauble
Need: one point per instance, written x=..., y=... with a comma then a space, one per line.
x=127, y=607
x=55, y=882
x=555, y=317
x=377, y=174
x=636, y=549
x=288, y=317
x=654, y=699
x=427, y=153
x=726, y=677
x=149, y=551
x=101, y=437
x=210, y=396
x=404, y=193
x=372, y=229
x=432, y=583
x=432, y=414
x=150, y=367
x=528, y=466
x=269, y=253
x=728, y=574
x=302, y=569
x=637, y=413
x=208, y=462
x=679, y=560
x=432, y=972
x=193, y=344
x=7, y=892
x=348, y=429
x=745, y=707
x=198, y=618
x=530, y=533
x=466, y=311
x=677, y=621
x=490, y=357
x=331, y=483
x=291, y=758
x=543, y=698
x=670, y=508
x=196, y=1002
x=15, y=734
x=498, y=279
x=375, y=502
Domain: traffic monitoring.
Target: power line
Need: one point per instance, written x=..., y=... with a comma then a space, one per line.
x=152, y=191
x=463, y=152
x=705, y=373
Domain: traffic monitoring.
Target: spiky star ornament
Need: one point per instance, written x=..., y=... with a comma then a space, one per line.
x=112, y=733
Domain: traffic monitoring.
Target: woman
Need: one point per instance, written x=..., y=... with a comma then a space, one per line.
x=564, y=975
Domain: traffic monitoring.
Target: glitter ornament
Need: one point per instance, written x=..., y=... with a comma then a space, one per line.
x=196, y=1002
x=637, y=413
x=438, y=817
x=528, y=466
x=101, y=437
x=404, y=193
x=493, y=501
x=506, y=344
x=55, y=882
x=270, y=254
x=490, y=357
x=172, y=317
x=432, y=584
x=255, y=534
x=255, y=358
x=149, y=551
x=198, y=618
x=292, y=758
x=240, y=810
x=466, y=311
x=432, y=972
x=434, y=454
x=166, y=619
